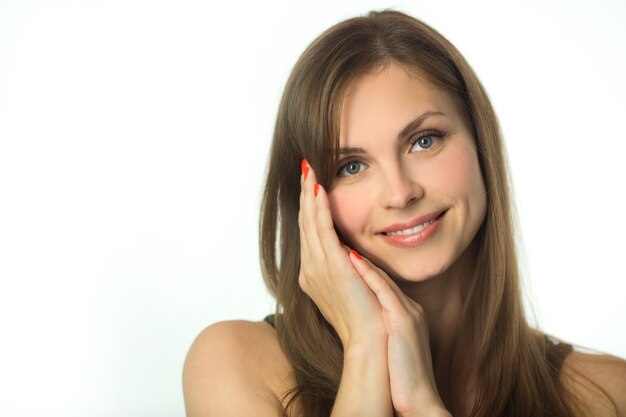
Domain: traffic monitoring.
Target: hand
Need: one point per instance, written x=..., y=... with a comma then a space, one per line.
x=328, y=276
x=347, y=303
x=412, y=381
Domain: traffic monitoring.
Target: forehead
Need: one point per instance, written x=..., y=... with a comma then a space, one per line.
x=389, y=98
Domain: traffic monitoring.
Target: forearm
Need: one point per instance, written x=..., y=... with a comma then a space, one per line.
x=364, y=388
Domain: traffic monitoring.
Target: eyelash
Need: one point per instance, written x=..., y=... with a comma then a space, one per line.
x=435, y=133
x=344, y=164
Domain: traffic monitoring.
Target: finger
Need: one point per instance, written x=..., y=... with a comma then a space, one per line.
x=394, y=287
x=387, y=278
x=304, y=247
x=329, y=241
x=384, y=289
x=406, y=304
x=307, y=210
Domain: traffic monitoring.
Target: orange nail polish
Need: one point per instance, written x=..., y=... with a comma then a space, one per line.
x=305, y=168
x=316, y=189
x=356, y=254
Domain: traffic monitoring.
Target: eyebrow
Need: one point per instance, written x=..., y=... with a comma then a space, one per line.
x=408, y=129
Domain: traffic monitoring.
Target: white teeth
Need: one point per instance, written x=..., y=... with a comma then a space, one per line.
x=410, y=231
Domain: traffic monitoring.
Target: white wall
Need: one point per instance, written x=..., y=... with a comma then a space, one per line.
x=133, y=141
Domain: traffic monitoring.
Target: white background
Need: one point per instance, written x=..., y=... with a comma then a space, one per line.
x=133, y=144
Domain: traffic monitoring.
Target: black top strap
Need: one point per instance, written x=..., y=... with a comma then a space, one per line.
x=557, y=352
x=271, y=320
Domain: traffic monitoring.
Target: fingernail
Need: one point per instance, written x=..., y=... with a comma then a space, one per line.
x=316, y=189
x=305, y=168
x=356, y=254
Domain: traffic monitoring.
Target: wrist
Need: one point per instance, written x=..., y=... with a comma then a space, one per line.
x=432, y=407
x=365, y=339
x=439, y=412
x=365, y=349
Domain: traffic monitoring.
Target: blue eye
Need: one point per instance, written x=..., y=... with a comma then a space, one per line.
x=425, y=142
x=350, y=168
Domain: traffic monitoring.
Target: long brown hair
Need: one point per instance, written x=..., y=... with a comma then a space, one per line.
x=517, y=367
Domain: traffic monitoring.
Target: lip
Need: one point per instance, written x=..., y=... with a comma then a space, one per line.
x=414, y=239
x=412, y=223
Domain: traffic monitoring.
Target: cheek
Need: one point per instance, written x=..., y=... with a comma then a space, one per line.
x=458, y=174
x=349, y=211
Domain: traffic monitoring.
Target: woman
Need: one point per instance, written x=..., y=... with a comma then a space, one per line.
x=400, y=293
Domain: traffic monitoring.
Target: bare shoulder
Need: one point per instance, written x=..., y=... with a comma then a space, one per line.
x=593, y=378
x=235, y=368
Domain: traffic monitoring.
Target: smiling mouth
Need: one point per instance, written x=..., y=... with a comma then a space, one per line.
x=415, y=229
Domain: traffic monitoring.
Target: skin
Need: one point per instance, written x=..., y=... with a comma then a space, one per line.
x=394, y=309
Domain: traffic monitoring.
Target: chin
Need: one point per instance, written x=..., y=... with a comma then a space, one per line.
x=415, y=272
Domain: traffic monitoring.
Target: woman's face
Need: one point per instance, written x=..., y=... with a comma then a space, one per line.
x=409, y=193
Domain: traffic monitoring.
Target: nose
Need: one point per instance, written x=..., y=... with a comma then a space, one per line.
x=399, y=189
